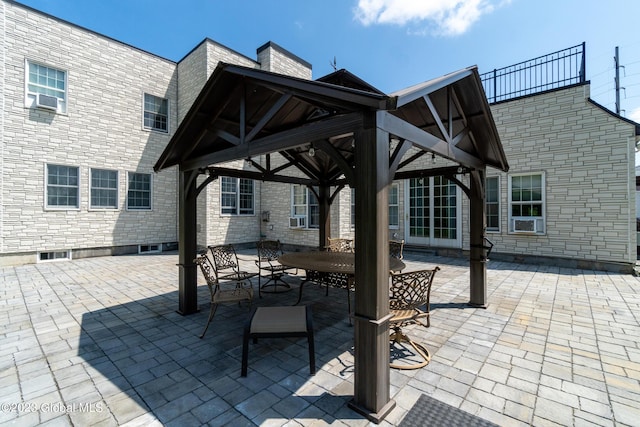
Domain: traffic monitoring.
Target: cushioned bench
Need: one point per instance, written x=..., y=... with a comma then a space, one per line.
x=275, y=322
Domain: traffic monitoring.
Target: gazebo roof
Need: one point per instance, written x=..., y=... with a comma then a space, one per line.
x=426, y=106
x=243, y=112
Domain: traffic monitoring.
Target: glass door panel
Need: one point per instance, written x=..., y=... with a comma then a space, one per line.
x=445, y=203
x=433, y=208
x=419, y=211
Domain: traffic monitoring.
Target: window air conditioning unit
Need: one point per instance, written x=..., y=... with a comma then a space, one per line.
x=524, y=225
x=297, y=222
x=47, y=102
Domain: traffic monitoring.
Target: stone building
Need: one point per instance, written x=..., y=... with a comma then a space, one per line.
x=83, y=119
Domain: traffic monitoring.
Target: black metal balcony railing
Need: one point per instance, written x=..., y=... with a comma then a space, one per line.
x=555, y=70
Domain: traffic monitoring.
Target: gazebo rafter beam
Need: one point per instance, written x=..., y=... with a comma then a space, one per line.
x=280, y=141
x=268, y=116
x=284, y=166
x=227, y=136
x=212, y=116
x=436, y=117
x=411, y=159
x=304, y=166
x=335, y=155
x=400, y=150
x=425, y=140
x=259, y=176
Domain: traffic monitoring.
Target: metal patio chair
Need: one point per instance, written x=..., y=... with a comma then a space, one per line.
x=268, y=253
x=227, y=267
x=339, y=245
x=409, y=296
x=395, y=249
x=221, y=292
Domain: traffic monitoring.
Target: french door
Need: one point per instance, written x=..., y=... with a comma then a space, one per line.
x=433, y=212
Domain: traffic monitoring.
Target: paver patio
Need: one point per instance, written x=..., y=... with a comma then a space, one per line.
x=97, y=341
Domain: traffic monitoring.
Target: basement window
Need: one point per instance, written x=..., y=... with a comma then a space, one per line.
x=149, y=249
x=54, y=256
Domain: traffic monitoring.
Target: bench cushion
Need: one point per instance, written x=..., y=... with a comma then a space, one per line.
x=279, y=319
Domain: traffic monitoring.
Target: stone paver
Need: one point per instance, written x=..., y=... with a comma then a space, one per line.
x=98, y=341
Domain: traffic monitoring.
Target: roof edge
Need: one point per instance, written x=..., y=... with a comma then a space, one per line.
x=284, y=52
x=210, y=40
x=617, y=116
x=80, y=27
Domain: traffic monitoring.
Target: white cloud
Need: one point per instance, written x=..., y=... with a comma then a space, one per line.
x=635, y=115
x=444, y=17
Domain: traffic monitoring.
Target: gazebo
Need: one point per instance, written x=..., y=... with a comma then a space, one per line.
x=363, y=139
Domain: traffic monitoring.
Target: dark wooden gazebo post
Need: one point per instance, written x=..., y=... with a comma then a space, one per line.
x=324, y=199
x=371, y=334
x=187, y=242
x=477, y=251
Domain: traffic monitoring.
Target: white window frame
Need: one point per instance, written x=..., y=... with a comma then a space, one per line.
x=92, y=188
x=31, y=90
x=46, y=188
x=394, y=187
x=138, y=208
x=237, y=194
x=145, y=111
x=496, y=202
x=541, y=223
x=304, y=206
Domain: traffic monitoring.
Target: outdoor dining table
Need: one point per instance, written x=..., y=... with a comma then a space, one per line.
x=329, y=267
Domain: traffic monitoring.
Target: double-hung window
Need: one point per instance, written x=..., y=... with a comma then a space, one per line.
x=394, y=206
x=492, y=203
x=63, y=187
x=305, y=206
x=104, y=189
x=46, y=87
x=139, y=191
x=527, y=203
x=156, y=113
x=236, y=196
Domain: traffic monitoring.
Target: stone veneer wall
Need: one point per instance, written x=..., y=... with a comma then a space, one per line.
x=193, y=72
x=3, y=44
x=587, y=156
x=279, y=60
x=101, y=129
x=192, y=75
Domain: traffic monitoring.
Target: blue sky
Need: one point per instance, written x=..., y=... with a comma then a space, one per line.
x=391, y=44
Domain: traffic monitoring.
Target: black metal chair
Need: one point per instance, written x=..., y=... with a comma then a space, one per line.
x=221, y=292
x=409, y=297
x=268, y=253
